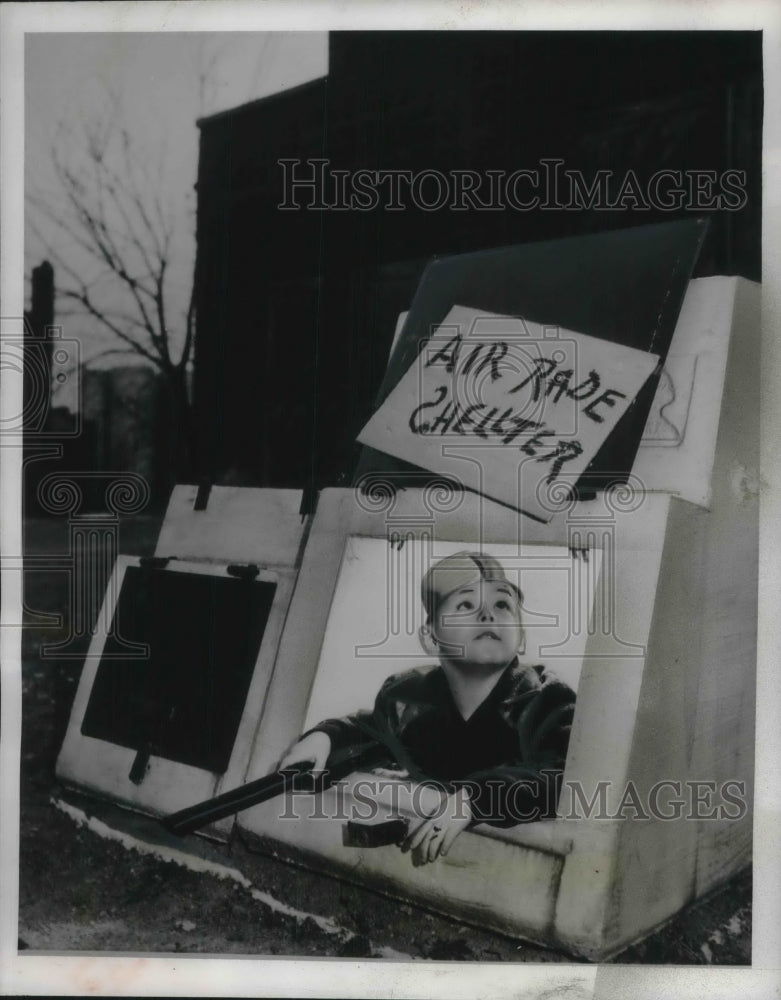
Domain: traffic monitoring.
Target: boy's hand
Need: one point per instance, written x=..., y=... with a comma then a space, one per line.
x=390, y=772
x=315, y=747
x=433, y=836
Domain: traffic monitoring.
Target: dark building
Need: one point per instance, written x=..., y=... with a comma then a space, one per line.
x=296, y=308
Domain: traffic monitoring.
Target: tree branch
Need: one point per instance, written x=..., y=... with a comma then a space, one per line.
x=98, y=314
x=106, y=229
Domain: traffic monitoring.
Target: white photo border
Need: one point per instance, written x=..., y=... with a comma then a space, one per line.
x=152, y=976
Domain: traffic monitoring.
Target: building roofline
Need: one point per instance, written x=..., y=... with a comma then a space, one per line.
x=268, y=99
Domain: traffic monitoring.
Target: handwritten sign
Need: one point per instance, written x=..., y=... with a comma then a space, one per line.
x=511, y=408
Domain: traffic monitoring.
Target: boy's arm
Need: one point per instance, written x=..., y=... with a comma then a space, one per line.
x=527, y=788
x=342, y=732
x=358, y=726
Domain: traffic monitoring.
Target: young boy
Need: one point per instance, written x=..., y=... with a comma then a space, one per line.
x=492, y=730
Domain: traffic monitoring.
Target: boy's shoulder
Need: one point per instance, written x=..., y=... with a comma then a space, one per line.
x=523, y=679
x=520, y=679
x=416, y=680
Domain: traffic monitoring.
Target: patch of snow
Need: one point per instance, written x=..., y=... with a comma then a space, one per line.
x=387, y=952
x=324, y=923
x=196, y=864
x=735, y=925
x=160, y=851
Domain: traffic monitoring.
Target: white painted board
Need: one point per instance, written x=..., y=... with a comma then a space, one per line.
x=678, y=447
x=512, y=409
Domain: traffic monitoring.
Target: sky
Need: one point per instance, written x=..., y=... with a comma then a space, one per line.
x=160, y=84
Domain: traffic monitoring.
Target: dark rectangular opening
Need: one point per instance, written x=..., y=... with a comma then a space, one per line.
x=183, y=701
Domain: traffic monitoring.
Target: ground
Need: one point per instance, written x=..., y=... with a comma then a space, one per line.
x=82, y=891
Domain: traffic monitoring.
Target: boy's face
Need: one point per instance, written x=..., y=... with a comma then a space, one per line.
x=480, y=623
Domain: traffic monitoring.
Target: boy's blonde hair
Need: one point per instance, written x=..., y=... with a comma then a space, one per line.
x=456, y=571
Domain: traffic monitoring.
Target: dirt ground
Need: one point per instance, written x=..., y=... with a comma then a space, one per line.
x=82, y=891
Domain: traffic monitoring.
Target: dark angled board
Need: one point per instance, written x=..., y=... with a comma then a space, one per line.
x=625, y=286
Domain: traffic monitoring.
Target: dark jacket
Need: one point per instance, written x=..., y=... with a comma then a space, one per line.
x=510, y=753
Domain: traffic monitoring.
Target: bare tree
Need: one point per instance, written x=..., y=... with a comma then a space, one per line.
x=107, y=229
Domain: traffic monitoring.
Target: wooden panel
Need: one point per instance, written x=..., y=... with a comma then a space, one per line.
x=666, y=690
x=695, y=719
x=604, y=724
x=263, y=526
x=723, y=743
x=615, y=653
x=103, y=766
x=631, y=539
x=678, y=447
x=722, y=849
x=624, y=286
x=654, y=860
x=466, y=517
x=443, y=414
x=167, y=785
x=492, y=882
x=587, y=882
